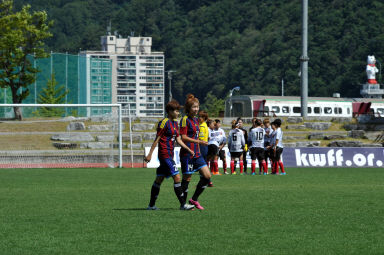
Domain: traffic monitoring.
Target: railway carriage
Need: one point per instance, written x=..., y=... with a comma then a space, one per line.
x=262, y=106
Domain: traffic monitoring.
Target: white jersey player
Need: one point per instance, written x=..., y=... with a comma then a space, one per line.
x=236, y=144
x=215, y=137
x=256, y=143
x=222, y=155
x=236, y=141
x=277, y=148
x=256, y=137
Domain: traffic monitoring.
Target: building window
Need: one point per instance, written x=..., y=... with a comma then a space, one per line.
x=327, y=110
x=338, y=110
x=296, y=109
x=275, y=109
x=285, y=109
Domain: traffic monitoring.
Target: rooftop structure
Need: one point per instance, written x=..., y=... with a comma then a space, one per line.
x=137, y=74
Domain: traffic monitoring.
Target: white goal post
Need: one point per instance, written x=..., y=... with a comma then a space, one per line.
x=59, y=132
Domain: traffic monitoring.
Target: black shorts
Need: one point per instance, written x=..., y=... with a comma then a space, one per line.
x=279, y=151
x=257, y=153
x=222, y=155
x=212, y=150
x=276, y=156
x=267, y=153
x=236, y=154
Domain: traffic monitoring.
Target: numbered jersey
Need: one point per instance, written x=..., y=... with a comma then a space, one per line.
x=256, y=137
x=167, y=130
x=215, y=137
x=190, y=127
x=236, y=141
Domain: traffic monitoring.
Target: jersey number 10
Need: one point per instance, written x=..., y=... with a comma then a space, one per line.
x=259, y=136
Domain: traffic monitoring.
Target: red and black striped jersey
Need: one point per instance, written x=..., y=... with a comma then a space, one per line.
x=168, y=130
x=190, y=127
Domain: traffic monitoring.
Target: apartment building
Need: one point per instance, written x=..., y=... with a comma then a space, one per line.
x=137, y=74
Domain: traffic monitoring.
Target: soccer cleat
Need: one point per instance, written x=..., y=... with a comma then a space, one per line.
x=152, y=207
x=234, y=172
x=259, y=172
x=187, y=207
x=210, y=184
x=253, y=173
x=196, y=204
x=283, y=173
x=225, y=172
x=265, y=173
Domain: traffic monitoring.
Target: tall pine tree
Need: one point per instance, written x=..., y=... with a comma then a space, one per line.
x=52, y=94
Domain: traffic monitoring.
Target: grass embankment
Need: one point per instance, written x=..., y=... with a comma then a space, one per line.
x=24, y=135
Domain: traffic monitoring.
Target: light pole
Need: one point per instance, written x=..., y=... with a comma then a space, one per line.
x=230, y=99
x=304, y=60
x=170, y=83
x=282, y=87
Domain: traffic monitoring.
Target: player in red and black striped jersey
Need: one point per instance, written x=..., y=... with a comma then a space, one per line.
x=189, y=130
x=189, y=126
x=167, y=133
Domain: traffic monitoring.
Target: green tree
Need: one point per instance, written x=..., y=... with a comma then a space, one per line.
x=248, y=43
x=21, y=35
x=52, y=94
x=213, y=105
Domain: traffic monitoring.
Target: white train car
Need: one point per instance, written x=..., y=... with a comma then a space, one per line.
x=378, y=108
x=259, y=106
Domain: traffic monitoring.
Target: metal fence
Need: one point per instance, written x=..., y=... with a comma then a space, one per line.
x=87, y=80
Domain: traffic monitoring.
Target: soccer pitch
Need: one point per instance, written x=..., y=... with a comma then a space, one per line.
x=102, y=211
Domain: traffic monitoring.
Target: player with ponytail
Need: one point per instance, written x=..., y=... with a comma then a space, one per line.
x=189, y=131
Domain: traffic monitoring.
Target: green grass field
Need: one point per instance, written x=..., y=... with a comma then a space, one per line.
x=101, y=211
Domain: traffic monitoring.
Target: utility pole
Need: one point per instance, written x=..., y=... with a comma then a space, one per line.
x=170, y=83
x=304, y=60
x=282, y=87
x=230, y=97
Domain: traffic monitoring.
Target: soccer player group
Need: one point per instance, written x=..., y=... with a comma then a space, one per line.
x=202, y=141
x=264, y=141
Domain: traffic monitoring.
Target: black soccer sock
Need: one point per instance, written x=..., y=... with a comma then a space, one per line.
x=203, y=183
x=154, y=193
x=184, y=187
x=179, y=192
x=245, y=165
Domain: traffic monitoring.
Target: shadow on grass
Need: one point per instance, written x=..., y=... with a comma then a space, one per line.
x=143, y=209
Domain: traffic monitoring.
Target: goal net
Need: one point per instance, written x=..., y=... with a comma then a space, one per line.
x=61, y=136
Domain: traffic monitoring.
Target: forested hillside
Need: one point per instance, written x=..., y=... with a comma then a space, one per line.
x=216, y=45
